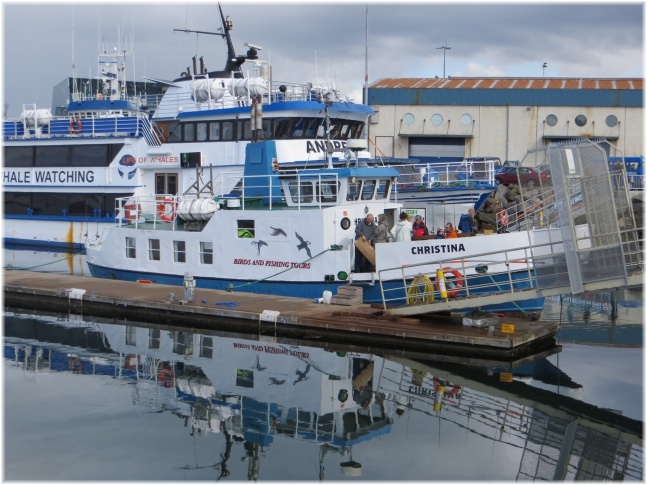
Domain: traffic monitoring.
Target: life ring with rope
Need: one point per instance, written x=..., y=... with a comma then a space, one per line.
x=457, y=282
x=503, y=217
x=166, y=378
x=166, y=209
x=75, y=126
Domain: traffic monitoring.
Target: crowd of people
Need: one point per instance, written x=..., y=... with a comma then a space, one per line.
x=405, y=229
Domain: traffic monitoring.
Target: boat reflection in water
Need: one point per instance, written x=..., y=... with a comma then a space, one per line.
x=251, y=394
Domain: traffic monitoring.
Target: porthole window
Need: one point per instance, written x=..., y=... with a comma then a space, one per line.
x=466, y=119
x=345, y=223
x=436, y=119
x=551, y=120
x=611, y=121
x=580, y=120
x=409, y=119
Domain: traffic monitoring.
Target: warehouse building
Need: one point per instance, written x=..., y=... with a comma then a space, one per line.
x=448, y=119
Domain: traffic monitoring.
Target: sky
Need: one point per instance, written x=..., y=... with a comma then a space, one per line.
x=322, y=41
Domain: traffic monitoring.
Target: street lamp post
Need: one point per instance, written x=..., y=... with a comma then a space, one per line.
x=543, y=72
x=445, y=48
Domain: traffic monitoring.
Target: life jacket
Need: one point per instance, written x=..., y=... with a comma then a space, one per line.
x=419, y=230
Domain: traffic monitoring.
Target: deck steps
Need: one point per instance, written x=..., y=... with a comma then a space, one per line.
x=348, y=295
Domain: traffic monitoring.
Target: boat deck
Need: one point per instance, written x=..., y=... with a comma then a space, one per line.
x=272, y=315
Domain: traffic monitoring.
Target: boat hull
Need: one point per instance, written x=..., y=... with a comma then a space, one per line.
x=372, y=292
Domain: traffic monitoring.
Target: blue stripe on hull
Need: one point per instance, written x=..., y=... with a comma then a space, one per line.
x=314, y=289
x=11, y=243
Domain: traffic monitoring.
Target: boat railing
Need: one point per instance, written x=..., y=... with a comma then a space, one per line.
x=302, y=191
x=92, y=126
x=464, y=277
x=466, y=173
x=170, y=104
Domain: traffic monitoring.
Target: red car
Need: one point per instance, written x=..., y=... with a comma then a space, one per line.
x=527, y=176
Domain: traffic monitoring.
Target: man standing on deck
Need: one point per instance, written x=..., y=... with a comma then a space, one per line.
x=365, y=230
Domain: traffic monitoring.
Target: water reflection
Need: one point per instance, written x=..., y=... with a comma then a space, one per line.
x=260, y=408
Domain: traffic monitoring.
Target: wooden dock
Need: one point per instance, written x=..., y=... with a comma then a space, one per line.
x=273, y=315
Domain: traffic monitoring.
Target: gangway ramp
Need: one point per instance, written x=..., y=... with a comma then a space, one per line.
x=581, y=236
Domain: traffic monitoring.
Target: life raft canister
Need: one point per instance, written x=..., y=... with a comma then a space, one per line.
x=457, y=282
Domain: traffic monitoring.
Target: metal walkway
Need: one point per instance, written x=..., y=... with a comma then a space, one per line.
x=582, y=235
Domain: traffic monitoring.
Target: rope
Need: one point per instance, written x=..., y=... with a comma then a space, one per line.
x=421, y=290
x=28, y=268
x=334, y=247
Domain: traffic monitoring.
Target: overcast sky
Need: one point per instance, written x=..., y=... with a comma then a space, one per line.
x=311, y=42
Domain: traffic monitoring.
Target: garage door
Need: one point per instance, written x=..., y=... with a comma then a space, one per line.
x=439, y=149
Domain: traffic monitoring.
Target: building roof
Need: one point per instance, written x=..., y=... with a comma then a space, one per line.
x=510, y=83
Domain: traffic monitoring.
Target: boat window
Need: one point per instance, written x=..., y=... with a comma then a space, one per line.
x=312, y=127
x=131, y=248
x=175, y=135
x=154, y=335
x=166, y=183
x=327, y=191
x=227, y=130
x=282, y=128
x=202, y=131
x=154, y=249
x=246, y=229
x=298, y=128
x=382, y=189
x=179, y=251
x=353, y=190
x=206, y=252
x=368, y=189
x=267, y=129
x=18, y=156
x=247, y=130
x=90, y=156
x=214, y=131
x=189, y=132
x=206, y=347
x=301, y=193
x=16, y=202
x=52, y=156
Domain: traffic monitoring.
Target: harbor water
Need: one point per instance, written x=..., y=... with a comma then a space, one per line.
x=103, y=399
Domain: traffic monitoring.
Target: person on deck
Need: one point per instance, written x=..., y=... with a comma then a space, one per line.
x=450, y=231
x=419, y=227
x=366, y=231
x=401, y=231
x=382, y=233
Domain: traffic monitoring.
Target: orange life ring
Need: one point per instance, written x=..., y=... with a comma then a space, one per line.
x=503, y=217
x=458, y=282
x=75, y=126
x=166, y=209
x=166, y=378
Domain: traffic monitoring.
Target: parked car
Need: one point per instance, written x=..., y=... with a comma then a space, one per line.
x=526, y=176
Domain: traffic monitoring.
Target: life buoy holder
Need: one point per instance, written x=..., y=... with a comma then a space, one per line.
x=166, y=378
x=457, y=282
x=503, y=217
x=166, y=209
x=75, y=126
